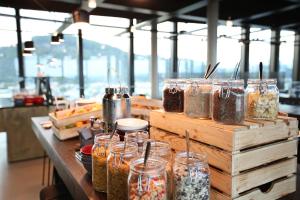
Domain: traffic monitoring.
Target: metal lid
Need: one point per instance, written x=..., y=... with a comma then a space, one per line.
x=264, y=81
x=131, y=124
x=110, y=90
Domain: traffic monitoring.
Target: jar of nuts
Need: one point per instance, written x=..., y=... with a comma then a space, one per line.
x=118, y=165
x=262, y=99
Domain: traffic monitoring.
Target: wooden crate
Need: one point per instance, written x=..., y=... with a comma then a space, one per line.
x=241, y=158
x=141, y=107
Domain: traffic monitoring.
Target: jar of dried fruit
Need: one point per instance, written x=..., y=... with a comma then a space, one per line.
x=197, y=98
x=191, y=176
x=120, y=155
x=100, y=152
x=162, y=150
x=262, y=99
x=228, y=101
x=173, y=95
x=147, y=182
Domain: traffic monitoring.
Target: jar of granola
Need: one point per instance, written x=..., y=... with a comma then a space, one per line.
x=191, y=176
x=147, y=182
x=118, y=161
x=262, y=99
x=162, y=150
x=197, y=98
x=228, y=101
x=173, y=95
x=100, y=152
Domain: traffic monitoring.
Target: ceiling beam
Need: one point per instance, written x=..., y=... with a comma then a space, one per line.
x=177, y=13
x=267, y=13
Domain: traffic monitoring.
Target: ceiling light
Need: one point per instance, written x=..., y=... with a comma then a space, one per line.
x=27, y=53
x=60, y=37
x=28, y=45
x=55, y=40
x=92, y=4
x=81, y=18
x=229, y=22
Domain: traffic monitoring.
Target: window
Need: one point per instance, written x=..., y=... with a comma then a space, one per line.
x=286, y=56
x=260, y=50
x=192, y=50
x=142, y=62
x=105, y=56
x=8, y=54
x=59, y=62
x=228, y=50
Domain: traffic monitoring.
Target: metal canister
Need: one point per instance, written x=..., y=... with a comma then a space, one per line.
x=112, y=108
x=125, y=102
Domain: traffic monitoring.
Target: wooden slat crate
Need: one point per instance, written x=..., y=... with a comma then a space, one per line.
x=241, y=158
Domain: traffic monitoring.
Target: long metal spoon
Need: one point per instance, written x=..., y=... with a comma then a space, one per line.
x=113, y=132
x=212, y=70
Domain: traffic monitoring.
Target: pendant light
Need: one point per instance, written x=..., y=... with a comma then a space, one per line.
x=27, y=53
x=60, y=37
x=29, y=45
x=81, y=18
x=55, y=40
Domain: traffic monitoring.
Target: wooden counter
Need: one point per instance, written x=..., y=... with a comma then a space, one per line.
x=21, y=141
x=62, y=154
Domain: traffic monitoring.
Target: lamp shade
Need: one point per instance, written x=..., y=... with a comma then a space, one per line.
x=55, y=40
x=27, y=53
x=29, y=45
x=80, y=16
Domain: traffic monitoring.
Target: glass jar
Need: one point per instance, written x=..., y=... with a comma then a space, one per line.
x=197, y=98
x=162, y=150
x=147, y=182
x=138, y=137
x=118, y=169
x=228, y=101
x=191, y=177
x=173, y=95
x=100, y=152
x=262, y=99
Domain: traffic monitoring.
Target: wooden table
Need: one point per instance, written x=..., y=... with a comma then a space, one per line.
x=70, y=170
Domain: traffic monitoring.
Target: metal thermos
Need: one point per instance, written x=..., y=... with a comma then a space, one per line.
x=112, y=108
x=125, y=102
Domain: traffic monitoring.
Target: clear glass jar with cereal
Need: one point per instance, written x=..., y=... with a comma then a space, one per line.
x=191, y=177
x=118, y=165
x=100, y=152
x=262, y=99
x=147, y=182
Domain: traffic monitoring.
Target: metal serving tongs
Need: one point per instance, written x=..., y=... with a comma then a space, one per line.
x=210, y=71
x=261, y=88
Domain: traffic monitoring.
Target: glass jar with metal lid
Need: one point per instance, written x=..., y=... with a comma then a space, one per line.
x=262, y=99
x=162, y=150
x=173, y=95
x=138, y=137
x=118, y=165
x=228, y=101
x=100, y=152
x=147, y=182
x=191, y=176
x=197, y=98
x=112, y=109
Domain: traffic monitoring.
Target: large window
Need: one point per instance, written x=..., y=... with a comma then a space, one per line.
x=286, y=56
x=142, y=62
x=260, y=50
x=105, y=55
x=192, y=50
x=59, y=62
x=228, y=50
x=8, y=54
